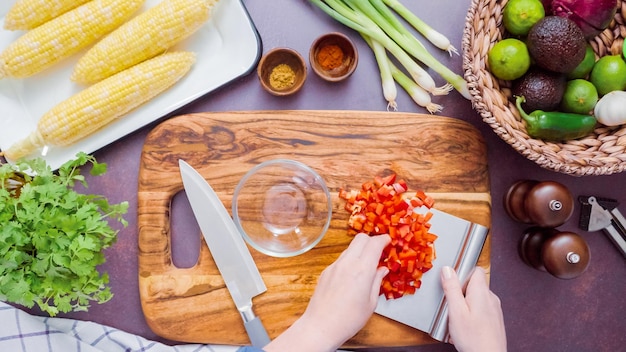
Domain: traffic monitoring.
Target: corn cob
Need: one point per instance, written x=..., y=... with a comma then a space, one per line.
x=141, y=38
x=98, y=105
x=63, y=36
x=28, y=14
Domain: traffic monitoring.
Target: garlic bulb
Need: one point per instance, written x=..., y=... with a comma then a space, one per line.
x=611, y=108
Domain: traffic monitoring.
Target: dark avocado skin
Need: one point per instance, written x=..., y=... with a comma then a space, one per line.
x=542, y=89
x=557, y=44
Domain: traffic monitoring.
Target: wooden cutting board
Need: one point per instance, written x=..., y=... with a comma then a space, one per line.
x=446, y=157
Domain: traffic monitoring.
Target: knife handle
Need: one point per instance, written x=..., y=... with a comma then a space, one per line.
x=256, y=332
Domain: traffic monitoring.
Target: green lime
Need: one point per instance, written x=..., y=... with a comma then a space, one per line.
x=580, y=97
x=509, y=59
x=520, y=15
x=583, y=69
x=609, y=74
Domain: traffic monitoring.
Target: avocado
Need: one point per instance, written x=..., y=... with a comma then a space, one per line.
x=557, y=44
x=542, y=89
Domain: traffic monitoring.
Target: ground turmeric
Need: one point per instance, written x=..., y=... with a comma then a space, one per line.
x=330, y=56
x=282, y=77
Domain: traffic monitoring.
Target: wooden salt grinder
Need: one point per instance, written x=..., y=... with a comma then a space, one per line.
x=564, y=255
x=545, y=204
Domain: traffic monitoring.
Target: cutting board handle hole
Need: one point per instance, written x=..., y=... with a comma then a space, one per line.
x=185, y=233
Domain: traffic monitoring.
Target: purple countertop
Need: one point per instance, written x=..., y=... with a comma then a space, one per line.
x=542, y=313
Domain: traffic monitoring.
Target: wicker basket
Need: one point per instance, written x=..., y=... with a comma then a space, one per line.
x=601, y=153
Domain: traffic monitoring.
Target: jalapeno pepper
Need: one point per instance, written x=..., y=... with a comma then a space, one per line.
x=555, y=125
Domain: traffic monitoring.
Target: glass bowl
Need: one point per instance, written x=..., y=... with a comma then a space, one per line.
x=282, y=208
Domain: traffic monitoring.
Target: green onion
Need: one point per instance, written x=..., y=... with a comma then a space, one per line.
x=438, y=39
x=377, y=22
x=388, y=16
x=389, y=74
x=410, y=44
x=389, y=87
x=417, y=93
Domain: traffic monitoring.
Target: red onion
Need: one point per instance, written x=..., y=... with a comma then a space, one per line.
x=592, y=16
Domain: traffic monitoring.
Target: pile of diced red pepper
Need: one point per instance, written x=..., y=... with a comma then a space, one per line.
x=381, y=207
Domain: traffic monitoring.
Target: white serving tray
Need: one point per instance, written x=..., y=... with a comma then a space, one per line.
x=227, y=47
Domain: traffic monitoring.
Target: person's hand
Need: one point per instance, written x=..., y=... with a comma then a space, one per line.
x=348, y=289
x=343, y=301
x=475, y=320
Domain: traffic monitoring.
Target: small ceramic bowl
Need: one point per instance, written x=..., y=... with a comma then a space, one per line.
x=333, y=57
x=282, y=71
x=282, y=207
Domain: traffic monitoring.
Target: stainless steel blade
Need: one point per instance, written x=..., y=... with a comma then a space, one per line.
x=229, y=251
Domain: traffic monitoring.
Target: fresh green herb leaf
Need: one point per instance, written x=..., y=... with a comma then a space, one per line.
x=53, y=237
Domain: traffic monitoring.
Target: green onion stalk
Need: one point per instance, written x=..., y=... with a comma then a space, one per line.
x=384, y=66
x=408, y=43
x=379, y=24
x=390, y=74
x=438, y=39
x=417, y=93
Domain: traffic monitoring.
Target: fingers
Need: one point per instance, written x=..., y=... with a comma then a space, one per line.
x=478, y=280
x=363, y=252
x=380, y=274
x=358, y=243
x=362, y=244
x=355, y=247
x=478, y=292
x=476, y=321
x=375, y=246
x=367, y=248
x=453, y=291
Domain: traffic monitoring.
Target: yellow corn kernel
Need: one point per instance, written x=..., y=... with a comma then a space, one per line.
x=63, y=36
x=98, y=105
x=141, y=38
x=28, y=14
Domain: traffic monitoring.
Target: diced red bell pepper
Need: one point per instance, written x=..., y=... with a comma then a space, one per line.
x=380, y=207
x=387, y=180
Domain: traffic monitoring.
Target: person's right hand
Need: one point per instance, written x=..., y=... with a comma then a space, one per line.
x=475, y=320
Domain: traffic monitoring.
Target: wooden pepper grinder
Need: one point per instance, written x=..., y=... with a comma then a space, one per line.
x=564, y=255
x=545, y=204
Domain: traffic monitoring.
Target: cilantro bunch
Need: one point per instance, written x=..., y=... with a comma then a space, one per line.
x=52, y=237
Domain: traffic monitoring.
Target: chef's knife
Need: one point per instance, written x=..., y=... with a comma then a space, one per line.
x=228, y=249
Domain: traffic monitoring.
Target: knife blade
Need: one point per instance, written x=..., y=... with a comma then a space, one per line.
x=229, y=251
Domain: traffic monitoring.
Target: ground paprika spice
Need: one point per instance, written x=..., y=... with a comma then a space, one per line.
x=330, y=56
